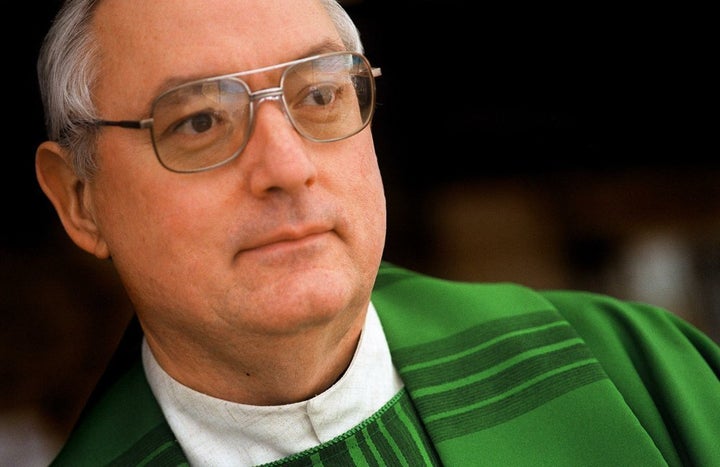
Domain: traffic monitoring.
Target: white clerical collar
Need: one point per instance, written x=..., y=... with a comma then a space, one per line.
x=215, y=432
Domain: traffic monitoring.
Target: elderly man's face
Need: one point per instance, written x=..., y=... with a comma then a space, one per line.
x=288, y=235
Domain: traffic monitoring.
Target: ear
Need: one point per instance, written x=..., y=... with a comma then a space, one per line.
x=71, y=197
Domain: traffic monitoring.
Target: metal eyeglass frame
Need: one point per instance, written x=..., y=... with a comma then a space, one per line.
x=255, y=98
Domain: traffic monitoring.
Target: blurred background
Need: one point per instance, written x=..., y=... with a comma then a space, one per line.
x=563, y=147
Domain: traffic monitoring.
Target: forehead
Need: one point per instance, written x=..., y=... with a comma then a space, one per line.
x=144, y=44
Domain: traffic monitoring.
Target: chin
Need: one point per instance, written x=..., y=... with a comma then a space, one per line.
x=307, y=298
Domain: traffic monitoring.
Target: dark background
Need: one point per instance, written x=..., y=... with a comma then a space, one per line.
x=555, y=145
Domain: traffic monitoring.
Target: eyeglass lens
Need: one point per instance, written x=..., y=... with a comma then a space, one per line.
x=206, y=123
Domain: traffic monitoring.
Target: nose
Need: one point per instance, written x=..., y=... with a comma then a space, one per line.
x=278, y=155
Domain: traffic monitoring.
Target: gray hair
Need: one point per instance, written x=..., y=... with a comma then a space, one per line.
x=67, y=72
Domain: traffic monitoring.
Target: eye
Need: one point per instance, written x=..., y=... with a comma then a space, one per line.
x=321, y=95
x=197, y=123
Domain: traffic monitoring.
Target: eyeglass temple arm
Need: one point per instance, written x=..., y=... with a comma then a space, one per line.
x=137, y=124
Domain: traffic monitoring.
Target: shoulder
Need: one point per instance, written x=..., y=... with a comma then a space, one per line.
x=612, y=324
x=604, y=321
x=642, y=343
x=123, y=414
x=122, y=426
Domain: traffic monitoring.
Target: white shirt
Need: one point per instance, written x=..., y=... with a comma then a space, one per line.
x=216, y=432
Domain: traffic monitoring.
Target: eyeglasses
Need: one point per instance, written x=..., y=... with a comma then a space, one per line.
x=206, y=123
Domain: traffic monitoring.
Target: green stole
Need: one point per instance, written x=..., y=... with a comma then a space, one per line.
x=495, y=374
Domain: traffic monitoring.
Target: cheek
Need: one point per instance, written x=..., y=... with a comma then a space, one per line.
x=149, y=215
x=159, y=239
x=366, y=195
x=141, y=202
x=370, y=184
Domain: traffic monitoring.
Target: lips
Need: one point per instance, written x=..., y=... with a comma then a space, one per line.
x=289, y=237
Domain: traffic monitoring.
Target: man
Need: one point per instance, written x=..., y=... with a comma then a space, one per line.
x=220, y=153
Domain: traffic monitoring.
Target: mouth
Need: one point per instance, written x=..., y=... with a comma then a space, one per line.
x=289, y=241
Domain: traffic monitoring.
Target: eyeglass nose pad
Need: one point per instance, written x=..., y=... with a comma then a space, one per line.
x=274, y=94
x=271, y=94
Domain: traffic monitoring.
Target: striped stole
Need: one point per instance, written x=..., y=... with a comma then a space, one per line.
x=392, y=436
